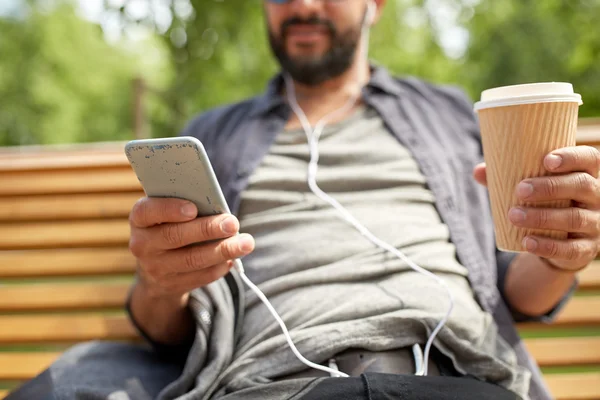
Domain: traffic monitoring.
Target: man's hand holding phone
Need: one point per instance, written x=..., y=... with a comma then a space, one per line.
x=163, y=231
x=176, y=253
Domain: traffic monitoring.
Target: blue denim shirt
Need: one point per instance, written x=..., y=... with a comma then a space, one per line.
x=437, y=124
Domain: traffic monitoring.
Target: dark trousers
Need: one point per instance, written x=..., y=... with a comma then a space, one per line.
x=94, y=371
x=376, y=386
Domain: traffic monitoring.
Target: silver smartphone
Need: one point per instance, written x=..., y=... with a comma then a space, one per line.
x=177, y=167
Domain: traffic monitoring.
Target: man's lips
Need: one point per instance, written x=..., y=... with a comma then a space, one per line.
x=306, y=32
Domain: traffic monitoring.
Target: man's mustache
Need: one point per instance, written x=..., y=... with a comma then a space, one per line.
x=310, y=21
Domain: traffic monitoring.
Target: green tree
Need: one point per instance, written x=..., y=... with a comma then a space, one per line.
x=220, y=55
x=60, y=81
x=405, y=41
x=522, y=41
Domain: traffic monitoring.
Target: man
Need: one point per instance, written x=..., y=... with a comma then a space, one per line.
x=399, y=159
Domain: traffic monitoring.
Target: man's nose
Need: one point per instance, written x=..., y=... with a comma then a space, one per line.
x=307, y=8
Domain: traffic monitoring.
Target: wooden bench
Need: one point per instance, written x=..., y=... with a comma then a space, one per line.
x=65, y=269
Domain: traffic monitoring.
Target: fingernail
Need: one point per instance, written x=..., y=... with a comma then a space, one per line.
x=553, y=161
x=229, y=225
x=516, y=215
x=524, y=189
x=530, y=244
x=246, y=243
x=189, y=210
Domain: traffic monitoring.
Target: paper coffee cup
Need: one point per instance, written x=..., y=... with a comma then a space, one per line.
x=520, y=125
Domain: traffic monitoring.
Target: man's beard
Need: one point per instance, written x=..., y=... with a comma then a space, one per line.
x=313, y=70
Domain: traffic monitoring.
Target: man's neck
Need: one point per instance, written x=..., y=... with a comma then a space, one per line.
x=348, y=83
x=320, y=100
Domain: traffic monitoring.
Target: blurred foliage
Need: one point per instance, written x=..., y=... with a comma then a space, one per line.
x=61, y=82
x=520, y=41
x=220, y=54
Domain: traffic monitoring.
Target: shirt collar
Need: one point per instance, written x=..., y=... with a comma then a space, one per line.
x=381, y=81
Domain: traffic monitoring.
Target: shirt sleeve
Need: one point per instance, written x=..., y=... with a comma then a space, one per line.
x=503, y=262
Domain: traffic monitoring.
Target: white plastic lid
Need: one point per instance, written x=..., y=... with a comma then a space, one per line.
x=528, y=94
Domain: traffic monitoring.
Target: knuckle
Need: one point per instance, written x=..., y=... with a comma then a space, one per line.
x=172, y=234
x=541, y=218
x=591, y=250
x=582, y=249
x=578, y=220
x=194, y=259
x=551, y=188
x=576, y=155
x=227, y=249
x=206, y=228
x=137, y=246
x=138, y=213
x=552, y=249
x=165, y=208
x=593, y=155
x=586, y=183
x=573, y=251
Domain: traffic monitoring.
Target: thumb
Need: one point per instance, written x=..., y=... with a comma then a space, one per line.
x=479, y=174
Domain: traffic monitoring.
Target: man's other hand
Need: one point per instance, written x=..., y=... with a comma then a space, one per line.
x=575, y=178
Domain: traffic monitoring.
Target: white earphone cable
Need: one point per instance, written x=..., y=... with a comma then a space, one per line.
x=313, y=136
x=286, y=333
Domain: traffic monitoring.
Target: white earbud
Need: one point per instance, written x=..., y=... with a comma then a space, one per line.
x=370, y=13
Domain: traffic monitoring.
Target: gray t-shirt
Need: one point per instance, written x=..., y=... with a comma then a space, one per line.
x=334, y=289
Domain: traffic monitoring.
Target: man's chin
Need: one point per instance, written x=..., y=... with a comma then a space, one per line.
x=306, y=55
x=306, y=62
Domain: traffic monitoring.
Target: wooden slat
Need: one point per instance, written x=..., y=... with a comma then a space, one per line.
x=589, y=278
x=44, y=297
x=63, y=160
x=61, y=149
x=90, y=180
x=64, y=234
x=68, y=206
x=565, y=351
x=17, y=366
x=580, y=386
x=588, y=131
x=69, y=262
x=64, y=328
x=579, y=311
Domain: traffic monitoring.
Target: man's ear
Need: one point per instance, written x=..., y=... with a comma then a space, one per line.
x=371, y=13
x=379, y=4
